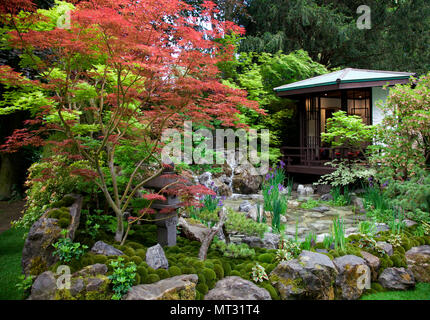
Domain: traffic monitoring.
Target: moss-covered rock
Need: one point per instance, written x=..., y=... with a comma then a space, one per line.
x=181, y=287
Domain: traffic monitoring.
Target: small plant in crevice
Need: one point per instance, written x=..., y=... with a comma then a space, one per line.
x=122, y=277
x=282, y=253
x=67, y=250
x=368, y=228
x=338, y=231
x=395, y=240
x=328, y=242
x=290, y=245
x=367, y=243
x=259, y=273
x=309, y=242
x=278, y=208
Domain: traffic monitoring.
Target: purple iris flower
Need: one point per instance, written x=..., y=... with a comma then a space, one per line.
x=385, y=184
x=267, y=176
x=280, y=187
x=282, y=163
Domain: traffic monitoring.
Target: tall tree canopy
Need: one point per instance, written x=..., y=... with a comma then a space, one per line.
x=399, y=38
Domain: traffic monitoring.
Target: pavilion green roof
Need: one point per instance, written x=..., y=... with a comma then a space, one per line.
x=344, y=76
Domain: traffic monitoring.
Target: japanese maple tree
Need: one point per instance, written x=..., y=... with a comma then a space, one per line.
x=114, y=79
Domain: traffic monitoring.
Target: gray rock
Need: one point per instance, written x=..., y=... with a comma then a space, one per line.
x=354, y=275
x=44, y=287
x=397, y=279
x=196, y=232
x=38, y=250
x=387, y=247
x=373, y=262
x=245, y=206
x=105, y=249
x=321, y=209
x=94, y=284
x=418, y=259
x=381, y=227
x=351, y=230
x=409, y=223
x=92, y=270
x=269, y=241
x=155, y=257
x=181, y=287
x=311, y=276
x=206, y=179
x=326, y=197
x=77, y=286
x=236, y=288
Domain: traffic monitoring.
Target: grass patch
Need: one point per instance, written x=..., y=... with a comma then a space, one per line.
x=11, y=244
x=421, y=292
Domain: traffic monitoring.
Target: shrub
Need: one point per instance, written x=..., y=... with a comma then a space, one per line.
x=174, y=271
x=100, y=259
x=273, y=293
x=219, y=271
x=188, y=270
x=136, y=259
x=209, y=274
x=129, y=251
x=152, y=278
x=265, y=257
x=235, y=273
x=143, y=273
x=141, y=253
x=202, y=288
x=162, y=273
x=227, y=268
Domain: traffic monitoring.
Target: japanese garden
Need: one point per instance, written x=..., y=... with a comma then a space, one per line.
x=225, y=150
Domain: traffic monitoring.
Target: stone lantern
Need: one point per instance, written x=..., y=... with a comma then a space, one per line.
x=166, y=222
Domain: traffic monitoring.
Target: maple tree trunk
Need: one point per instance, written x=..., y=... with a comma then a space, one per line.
x=213, y=231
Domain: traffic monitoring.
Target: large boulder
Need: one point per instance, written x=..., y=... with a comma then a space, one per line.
x=37, y=254
x=354, y=275
x=418, y=259
x=193, y=231
x=311, y=276
x=236, y=288
x=397, y=279
x=269, y=241
x=373, y=262
x=90, y=283
x=105, y=249
x=245, y=181
x=181, y=287
x=155, y=257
